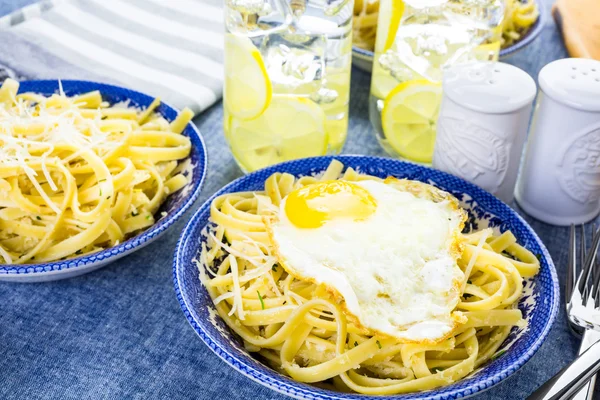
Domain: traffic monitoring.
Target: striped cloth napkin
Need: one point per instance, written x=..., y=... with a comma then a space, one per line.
x=172, y=49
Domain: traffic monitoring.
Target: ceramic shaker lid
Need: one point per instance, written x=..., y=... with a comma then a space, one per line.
x=574, y=82
x=489, y=87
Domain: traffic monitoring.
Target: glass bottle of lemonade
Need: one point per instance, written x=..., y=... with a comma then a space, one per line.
x=416, y=41
x=287, y=79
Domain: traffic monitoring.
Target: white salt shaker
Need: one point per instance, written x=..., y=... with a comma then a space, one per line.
x=483, y=123
x=560, y=178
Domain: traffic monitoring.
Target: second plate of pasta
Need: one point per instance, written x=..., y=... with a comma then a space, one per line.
x=89, y=173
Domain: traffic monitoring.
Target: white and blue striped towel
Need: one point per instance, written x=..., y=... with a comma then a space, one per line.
x=167, y=48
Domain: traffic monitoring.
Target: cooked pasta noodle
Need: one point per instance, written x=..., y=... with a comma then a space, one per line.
x=78, y=175
x=295, y=327
x=519, y=17
x=366, y=13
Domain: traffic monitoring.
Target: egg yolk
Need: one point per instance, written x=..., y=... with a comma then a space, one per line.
x=313, y=205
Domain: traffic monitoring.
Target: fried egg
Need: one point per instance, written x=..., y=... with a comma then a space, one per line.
x=385, y=250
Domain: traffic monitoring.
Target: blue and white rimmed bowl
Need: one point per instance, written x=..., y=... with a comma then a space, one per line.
x=363, y=59
x=539, y=304
x=174, y=206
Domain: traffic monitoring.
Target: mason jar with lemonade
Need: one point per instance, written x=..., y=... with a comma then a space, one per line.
x=287, y=79
x=416, y=40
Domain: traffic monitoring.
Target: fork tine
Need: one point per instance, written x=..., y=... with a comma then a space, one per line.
x=590, y=264
x=582, y=245
x=583, y=275
x=595, y=269
x=594, y=291
x=582, y=253
x=572, y=266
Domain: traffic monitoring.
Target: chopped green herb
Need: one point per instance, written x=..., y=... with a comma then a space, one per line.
x=33, y=258
x=274, y=268
x=108, y=198
x=508, y=255
x=378, y=344
x=148, y=216
x=262, y=303
x=355, y=343
x=467, y=295
x=78, y=252
x=469, y=282
x=134, y=214
x=38, y=217
x=438, y=369
x=100, y=192
x=498, y=354
x=538, y=256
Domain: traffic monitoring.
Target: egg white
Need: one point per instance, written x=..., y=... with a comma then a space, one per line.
x=395, y=272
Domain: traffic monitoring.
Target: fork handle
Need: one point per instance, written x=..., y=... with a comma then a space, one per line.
x=570, y=379
x=590, y=337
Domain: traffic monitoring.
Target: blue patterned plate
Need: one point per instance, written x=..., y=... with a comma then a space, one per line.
x=539, y=304
x=174, y=206
x=363, y=59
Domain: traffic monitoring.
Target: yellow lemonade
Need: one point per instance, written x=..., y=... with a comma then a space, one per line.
x=416, y=41
x=287, y=80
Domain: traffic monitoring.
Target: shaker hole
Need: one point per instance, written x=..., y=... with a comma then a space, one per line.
x=574, y=68
x=585, y=73
x=491, y=81
x=497, y=70
x=572, y=76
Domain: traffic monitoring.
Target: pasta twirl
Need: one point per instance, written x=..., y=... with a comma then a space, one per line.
x=298, y=329
x=78, y=175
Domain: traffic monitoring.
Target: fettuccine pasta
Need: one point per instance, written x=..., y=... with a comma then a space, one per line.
x=296, y=327
x=366, y=13
x=78, y=175
x=519, y=17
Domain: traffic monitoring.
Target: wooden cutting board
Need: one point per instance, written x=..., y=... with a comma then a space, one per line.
x=579, y=21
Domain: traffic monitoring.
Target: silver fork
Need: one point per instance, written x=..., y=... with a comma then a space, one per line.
x=583, y=311
x=588, y=336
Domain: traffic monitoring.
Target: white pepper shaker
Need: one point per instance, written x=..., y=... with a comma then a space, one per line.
x=483, y=123
x=560, y=179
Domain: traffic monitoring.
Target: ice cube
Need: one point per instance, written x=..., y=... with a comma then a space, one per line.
x=294, y=62
x=254, y=18
x=391, y=61
x=431, y=44
x=324, y=96
x=333, y=7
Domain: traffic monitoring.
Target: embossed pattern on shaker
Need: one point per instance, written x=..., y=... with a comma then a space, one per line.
x=473, y=152
x=581, y=181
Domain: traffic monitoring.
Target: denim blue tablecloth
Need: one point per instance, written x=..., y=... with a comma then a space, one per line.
x=118, y=333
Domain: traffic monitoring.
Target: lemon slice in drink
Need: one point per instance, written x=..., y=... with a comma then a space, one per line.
x=290, y=128
x=248, y=88
x=392, y=12
x=409, y=118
